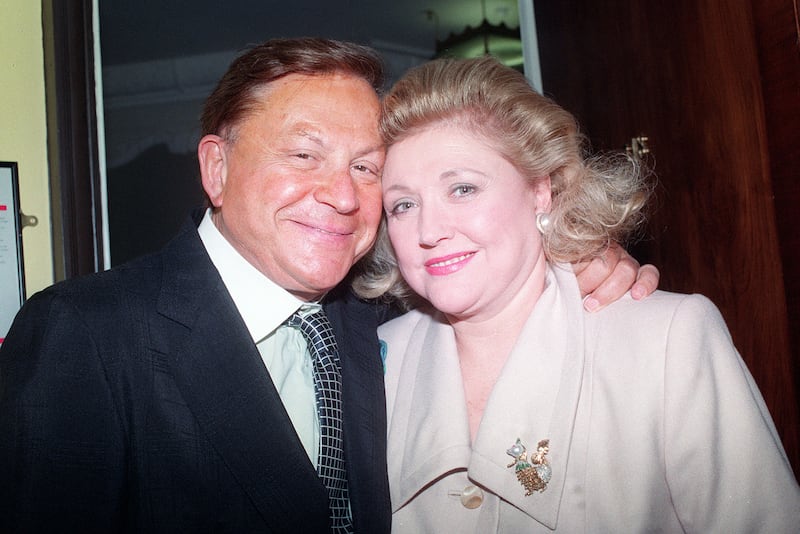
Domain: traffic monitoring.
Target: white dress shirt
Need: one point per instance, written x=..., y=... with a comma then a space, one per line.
x=264, y=307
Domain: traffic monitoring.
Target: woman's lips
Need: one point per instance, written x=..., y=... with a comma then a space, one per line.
x=448, y=264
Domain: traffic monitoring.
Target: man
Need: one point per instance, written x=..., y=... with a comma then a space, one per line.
x=169, y=394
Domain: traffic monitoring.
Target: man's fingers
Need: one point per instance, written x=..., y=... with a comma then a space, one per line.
x=607, y=278
x=591, y=274
x=646, y=281
x=614, y=286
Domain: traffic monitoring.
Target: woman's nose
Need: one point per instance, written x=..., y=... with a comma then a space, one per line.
x=434, y=227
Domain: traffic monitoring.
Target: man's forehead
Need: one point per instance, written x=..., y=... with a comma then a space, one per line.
x=296, y=83
x=319, y=98
x=327, y=110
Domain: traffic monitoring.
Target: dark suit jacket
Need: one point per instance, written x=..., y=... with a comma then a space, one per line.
x=135, y=400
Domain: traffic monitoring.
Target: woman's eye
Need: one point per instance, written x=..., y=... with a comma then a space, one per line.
x=463, y=189
x=401, y=207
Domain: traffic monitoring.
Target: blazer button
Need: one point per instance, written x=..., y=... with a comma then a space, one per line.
x=472, y=497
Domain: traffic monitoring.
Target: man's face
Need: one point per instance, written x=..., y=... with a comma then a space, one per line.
x=297, y=192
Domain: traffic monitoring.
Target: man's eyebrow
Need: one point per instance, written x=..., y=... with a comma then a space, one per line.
x=307, y=133
x=314, y=135
x=380, y=147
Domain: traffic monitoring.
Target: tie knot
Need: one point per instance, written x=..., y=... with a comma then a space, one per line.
x=316, y=329
x=315, y=326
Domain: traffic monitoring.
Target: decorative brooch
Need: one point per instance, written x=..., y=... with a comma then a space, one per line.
x=533, y=475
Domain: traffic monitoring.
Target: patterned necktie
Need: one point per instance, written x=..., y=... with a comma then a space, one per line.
x=318, y=333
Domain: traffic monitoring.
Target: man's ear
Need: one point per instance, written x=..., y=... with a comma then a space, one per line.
x=213, y=167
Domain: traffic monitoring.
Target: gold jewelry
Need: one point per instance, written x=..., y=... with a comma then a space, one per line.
x=533, y=475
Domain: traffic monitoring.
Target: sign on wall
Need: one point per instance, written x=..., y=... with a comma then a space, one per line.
x=12, y=278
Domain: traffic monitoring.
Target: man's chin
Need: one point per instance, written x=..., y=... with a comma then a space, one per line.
x=317, y=284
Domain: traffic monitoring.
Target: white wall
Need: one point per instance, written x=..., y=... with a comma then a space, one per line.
x=23, y=135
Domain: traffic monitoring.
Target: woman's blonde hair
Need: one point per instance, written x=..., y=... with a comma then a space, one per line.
x=595, y=200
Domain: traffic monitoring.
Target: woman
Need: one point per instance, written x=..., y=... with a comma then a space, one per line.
x=510, y=409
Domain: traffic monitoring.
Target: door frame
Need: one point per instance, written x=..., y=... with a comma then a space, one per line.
x=72, y=139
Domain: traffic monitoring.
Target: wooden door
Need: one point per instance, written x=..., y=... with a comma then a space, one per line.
x=686, y=74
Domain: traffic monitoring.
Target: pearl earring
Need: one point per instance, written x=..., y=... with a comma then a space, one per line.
x=543, y=222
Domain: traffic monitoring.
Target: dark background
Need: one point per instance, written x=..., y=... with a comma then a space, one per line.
x=161, y=59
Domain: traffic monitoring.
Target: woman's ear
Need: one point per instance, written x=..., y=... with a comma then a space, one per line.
x=544, y=194
x=213, y=167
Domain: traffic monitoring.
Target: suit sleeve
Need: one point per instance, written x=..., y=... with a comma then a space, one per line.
x=61, y=441
x=726, y=468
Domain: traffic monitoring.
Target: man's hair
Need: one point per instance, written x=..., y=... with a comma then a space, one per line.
x=236, y=94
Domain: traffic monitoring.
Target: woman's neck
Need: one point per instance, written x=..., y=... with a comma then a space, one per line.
x=484, y=343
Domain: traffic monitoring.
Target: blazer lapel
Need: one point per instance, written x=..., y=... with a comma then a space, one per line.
x=221, y=375
x=536, y=398
x=427, y=443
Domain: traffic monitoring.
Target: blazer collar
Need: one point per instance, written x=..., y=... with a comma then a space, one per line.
x=224, y=382
x=535, y=398
x=428, y=429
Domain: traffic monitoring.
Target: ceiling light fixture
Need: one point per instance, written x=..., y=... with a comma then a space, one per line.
x=497, y=40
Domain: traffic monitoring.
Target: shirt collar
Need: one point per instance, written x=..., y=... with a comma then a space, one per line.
x=262, y=303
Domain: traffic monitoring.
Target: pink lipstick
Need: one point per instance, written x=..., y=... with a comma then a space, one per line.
x=448, y=264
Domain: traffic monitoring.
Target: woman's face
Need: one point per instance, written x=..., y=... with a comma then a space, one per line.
x=461, y=219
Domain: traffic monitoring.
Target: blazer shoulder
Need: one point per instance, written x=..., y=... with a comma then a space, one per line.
x=662, y=307
x=403, y=326
x=105, y=300
x=104, y=292
x=661, y=324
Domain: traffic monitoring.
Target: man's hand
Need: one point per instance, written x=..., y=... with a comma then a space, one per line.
x=605, y=279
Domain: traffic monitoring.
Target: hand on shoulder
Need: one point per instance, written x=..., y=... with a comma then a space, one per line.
x=606, y=278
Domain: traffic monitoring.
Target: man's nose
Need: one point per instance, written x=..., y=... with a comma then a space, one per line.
x=339, y=192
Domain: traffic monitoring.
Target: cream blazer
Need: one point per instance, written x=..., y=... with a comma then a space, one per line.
x=654, y=425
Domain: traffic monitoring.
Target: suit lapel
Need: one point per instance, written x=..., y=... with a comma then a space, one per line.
x=364, y=409
x=221, y=375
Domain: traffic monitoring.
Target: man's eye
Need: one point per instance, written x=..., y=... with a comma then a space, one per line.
x=302, y=155
x=364, y=168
